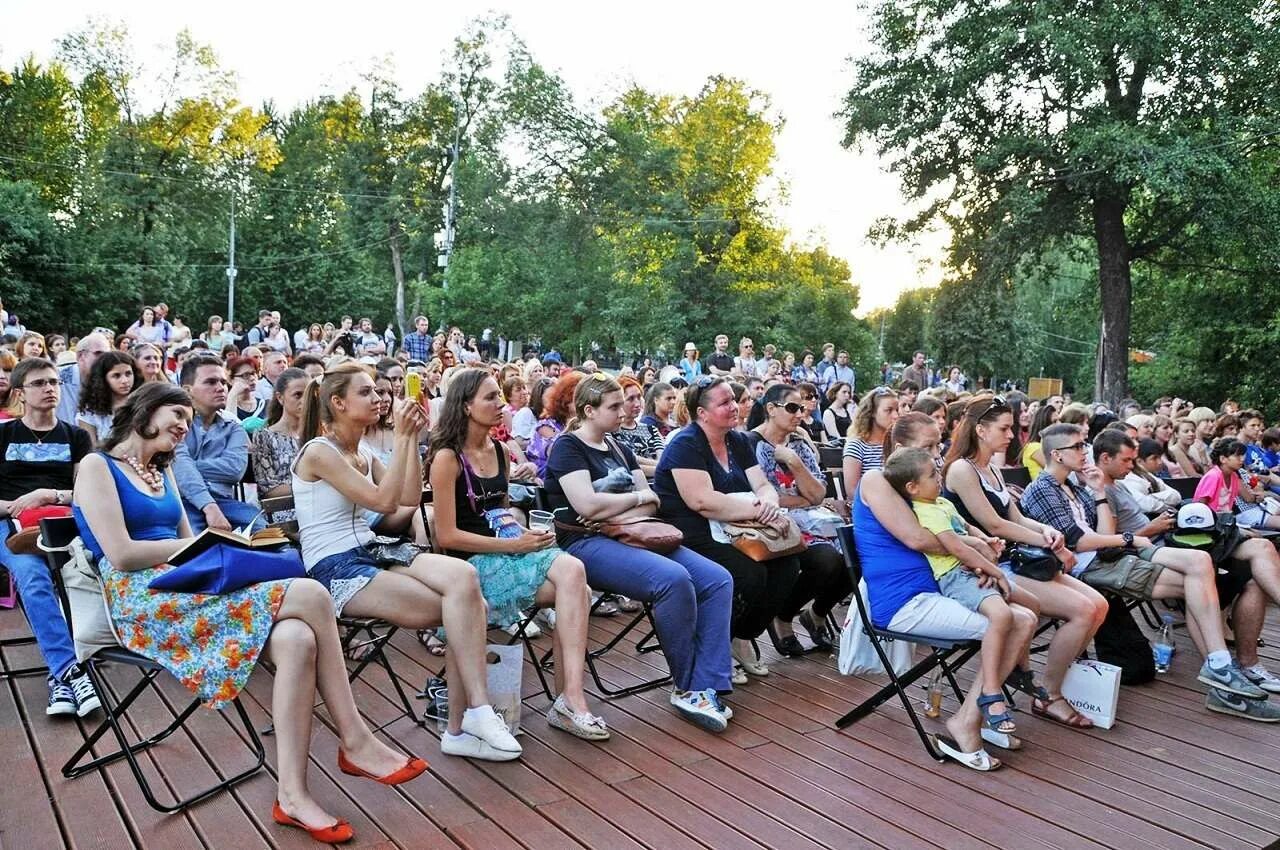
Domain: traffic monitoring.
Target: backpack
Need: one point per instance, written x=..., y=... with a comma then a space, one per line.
x=1120, y=641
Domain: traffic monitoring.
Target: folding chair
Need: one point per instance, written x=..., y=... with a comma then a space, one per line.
x=947, y=654
x=1017, y=476
x=39, y=670
x=831, y=457
x=55, y=539
x=364, y=639
x=1186, y=487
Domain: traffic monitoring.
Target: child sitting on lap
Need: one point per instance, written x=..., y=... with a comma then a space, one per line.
x=967, y=573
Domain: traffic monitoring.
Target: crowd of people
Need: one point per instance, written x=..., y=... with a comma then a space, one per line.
x=698, y=489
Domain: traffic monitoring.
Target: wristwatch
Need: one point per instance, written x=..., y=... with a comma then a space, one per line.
x=1127, y=537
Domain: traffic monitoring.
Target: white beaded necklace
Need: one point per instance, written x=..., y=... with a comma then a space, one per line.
x=150, y=474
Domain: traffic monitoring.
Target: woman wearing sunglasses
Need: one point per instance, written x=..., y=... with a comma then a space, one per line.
x=975, y=485
x=789, y=460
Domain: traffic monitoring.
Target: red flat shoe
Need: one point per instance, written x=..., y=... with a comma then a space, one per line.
x=412, y=769
x=336, y=833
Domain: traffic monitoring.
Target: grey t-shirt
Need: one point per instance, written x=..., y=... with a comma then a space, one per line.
x=1129, y=515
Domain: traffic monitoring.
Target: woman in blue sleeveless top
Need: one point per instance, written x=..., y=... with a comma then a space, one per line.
x=130, y=517
x=904, y=597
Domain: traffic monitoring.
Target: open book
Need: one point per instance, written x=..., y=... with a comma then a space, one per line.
x=206, y=539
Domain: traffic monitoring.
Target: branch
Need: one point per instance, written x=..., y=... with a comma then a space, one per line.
x=1144, y=248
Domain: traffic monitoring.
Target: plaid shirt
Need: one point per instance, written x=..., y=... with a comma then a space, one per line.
x=1045, y=502
x=418, y=345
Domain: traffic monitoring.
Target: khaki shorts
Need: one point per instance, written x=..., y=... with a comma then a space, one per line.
x=1133, y=576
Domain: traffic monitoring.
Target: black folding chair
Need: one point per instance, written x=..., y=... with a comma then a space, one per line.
x=949, y=655
x=55, y=539
x=831, y=457
x=1186, y=487
x=1018, y=476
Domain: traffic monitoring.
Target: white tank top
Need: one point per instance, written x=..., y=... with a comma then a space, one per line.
x=328, y=521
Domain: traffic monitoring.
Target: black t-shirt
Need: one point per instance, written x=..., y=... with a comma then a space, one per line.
x=30, y=460
x=720, y=360
x=689, y=449
x=570, y=454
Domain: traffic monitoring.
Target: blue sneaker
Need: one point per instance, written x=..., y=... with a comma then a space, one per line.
x=695, y=707
x=719, y=703
x=1251, y=709
x=1230, y=679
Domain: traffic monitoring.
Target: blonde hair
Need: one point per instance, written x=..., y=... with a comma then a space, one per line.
x=590, y=392
x=864, y=417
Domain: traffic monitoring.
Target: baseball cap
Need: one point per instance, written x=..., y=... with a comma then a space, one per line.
x=1196, y=515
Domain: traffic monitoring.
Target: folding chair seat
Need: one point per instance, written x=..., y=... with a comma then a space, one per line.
x=55, y=539
x=948, y=655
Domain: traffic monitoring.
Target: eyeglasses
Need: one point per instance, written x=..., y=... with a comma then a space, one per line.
x=995, y=403
x=40, y=383
x=792, y=407
x=1074, y=447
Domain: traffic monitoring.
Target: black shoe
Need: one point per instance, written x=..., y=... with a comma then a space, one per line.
x=87, y=700
x=790, y=646
x=62, y=700
x=817, y=629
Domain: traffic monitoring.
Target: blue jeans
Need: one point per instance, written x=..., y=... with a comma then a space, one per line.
x=692, y=600
x=237, y=513
x=40, y=601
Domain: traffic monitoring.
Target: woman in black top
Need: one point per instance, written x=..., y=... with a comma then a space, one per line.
x=709, y=472
x=518, y=567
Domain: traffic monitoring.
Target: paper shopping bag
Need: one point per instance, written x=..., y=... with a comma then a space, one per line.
x=505, y=665
x=1093, y=687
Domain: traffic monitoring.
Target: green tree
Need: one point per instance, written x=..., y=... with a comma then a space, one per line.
x=1127, y=124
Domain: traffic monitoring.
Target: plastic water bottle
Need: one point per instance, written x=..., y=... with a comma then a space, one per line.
x=933, y=702
x=1163, y=649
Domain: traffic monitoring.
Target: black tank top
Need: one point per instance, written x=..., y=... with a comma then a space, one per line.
x=473, y=495
x=999, y=505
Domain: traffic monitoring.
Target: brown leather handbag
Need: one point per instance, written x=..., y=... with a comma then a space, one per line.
x=761, y=542
x=641, y=532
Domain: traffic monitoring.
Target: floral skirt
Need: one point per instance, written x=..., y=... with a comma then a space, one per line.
x=209, y=643
x=509, y=582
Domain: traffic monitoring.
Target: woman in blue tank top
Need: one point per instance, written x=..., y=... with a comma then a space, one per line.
x=212, y=643
x=904, y=597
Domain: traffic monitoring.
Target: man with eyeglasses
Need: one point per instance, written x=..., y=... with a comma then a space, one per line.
x=211, y=460
x=39, y=457
x=1129, y=564
x=75, y=375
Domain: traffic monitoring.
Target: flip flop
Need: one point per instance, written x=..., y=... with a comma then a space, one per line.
x=979, y=760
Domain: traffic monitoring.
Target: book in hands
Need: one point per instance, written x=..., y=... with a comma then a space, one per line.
x=207, y=539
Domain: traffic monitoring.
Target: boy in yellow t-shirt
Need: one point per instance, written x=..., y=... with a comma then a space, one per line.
x=967, y=573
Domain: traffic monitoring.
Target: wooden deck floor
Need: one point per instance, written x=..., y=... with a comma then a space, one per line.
x=1169, y=776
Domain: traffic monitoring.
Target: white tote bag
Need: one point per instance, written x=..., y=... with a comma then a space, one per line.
x=1093, y=688
x=858, y=657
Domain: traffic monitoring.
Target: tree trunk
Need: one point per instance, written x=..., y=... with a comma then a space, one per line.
x=1117, y=296
x=397, y=267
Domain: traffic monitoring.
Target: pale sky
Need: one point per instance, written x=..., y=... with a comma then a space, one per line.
x=796, y=53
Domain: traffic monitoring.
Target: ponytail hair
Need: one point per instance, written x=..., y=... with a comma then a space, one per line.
x=316, y=412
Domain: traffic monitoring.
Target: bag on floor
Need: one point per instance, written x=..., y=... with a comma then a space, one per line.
x=1093, y=688
x=1120, y=641
x=858, y=657
x=504, y=665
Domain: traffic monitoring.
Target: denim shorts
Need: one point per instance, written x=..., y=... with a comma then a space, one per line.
x=344, y=574
x=962, y=586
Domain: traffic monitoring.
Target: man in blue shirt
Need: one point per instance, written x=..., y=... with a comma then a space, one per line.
x=418, y=341
x=211, y=461
x=72, y=377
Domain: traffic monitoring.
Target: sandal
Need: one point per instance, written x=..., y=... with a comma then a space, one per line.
x=435, y=646
x=1022, y=679
x=979, y=760
x=738, y=676
x=1074, y=720
x=1002, y=722
x=583, y=725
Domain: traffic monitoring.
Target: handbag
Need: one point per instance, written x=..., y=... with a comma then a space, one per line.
x=1034, y=562
x=640, y=532
x=27, y=527
x=224, y=568
x=761, y=542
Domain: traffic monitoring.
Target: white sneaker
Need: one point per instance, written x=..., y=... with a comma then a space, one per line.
x=493, y=730
x=1262, y=677
x=547, y=618
x=698, y=709
x=469, y=746
x=530, y=631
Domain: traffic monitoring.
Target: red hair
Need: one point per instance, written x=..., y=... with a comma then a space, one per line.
x=557, y=403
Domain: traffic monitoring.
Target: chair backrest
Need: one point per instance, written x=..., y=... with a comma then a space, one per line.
x=1186, y=487
x=835, y=482
x=851, y=560
x=56, y=534
x=830, y=457
x=277, y=504
x=1018, y=476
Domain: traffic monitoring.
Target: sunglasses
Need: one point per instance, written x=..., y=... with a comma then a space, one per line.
x=792, y=407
